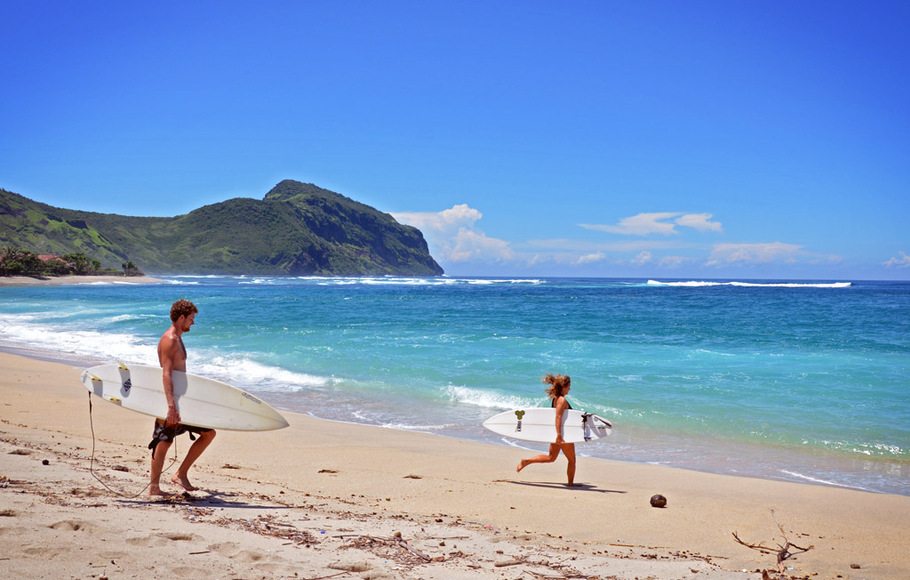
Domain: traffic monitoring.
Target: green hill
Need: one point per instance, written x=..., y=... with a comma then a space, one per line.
x=297, y=229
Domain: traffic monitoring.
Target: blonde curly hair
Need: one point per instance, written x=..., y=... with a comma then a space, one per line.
x=558, y=384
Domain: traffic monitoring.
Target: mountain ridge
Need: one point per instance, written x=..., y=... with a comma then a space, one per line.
x=295, y=229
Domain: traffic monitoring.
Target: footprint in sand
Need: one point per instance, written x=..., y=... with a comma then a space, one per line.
x=234, y=551
x=226, y=549
x=147, y=541
x=184, y=572
x=42, y=551
x=73, y=526
x=248, y=556
x=176, y=537
x=260, y=560
x=76, y=492
x=158, y=540
x=352, y=566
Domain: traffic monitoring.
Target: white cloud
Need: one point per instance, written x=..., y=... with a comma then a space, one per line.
x=754, y=253
x=589, y=246
x=591, y=258
x=663, y=223
x=643, y=257
x=469, y=244
x=456, y=241
x=452, y=236
x=699, y=221
x=902, y=262
x=448, y=220
x=642, y=224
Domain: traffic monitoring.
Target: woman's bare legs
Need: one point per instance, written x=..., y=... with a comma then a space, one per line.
x=568, y=449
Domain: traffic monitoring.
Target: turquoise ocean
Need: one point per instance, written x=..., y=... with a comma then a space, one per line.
x=798, y=381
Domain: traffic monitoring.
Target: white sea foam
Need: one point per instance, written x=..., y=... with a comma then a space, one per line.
x=821, y=481
x=515, y=443
x=712, y=352
x=13, y=320
x=683, y=284
x=700, y=284
x=131, y=317
x=209, y=276
x=406, y=281
x=19, y=331
x=486, y=399
x=502, y=281
x=71, y=339
x=101, y=283
x=400, y=282
x=422, y=428
x=249, y=373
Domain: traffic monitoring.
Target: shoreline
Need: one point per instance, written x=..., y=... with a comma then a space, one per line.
x=73, y=280
x=321, y=497
x=737, y=454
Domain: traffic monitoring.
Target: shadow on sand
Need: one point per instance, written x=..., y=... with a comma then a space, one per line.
x=551, y=485
x=204, y=498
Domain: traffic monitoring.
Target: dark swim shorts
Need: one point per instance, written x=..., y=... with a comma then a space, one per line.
x=168, y=434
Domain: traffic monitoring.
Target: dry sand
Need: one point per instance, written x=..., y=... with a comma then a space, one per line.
x=324, y=499
x=65, y=280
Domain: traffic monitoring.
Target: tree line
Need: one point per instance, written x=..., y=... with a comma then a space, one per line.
x=18, y=262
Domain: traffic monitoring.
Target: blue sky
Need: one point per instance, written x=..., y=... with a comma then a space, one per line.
x=656, y=139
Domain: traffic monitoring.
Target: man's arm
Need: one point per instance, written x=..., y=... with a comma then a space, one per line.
x=167, y=355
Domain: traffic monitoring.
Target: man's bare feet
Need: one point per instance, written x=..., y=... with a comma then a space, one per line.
x=183, y=481
x=157, y=492
x=522, y=465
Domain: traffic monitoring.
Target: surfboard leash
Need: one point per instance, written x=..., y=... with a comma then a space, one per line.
x=91, y=422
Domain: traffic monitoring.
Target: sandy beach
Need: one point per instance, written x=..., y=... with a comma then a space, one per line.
x=63, y=280
x=324, y=499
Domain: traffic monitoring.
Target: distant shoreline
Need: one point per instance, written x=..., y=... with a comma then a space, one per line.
x=73, y=280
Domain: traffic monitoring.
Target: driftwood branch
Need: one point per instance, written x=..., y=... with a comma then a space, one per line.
x=515, y=562
x=404, y=544
x=345, y=573
x=783, y=551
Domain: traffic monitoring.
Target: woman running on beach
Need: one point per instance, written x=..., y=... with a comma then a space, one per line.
x=559, y=387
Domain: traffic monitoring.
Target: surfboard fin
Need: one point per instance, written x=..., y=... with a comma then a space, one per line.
x=122, y=366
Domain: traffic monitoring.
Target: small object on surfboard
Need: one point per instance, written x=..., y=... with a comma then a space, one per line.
x=201, y=401
x=539, y=424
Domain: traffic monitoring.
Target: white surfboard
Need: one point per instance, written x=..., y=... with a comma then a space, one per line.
x=539, y=424
x=201, y=402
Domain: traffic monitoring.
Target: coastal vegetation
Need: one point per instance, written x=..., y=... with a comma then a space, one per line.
x=18, y=262
x=296, y=229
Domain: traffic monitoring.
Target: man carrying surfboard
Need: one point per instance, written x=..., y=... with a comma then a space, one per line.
x=172, y=357
x=557, y=391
